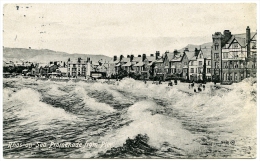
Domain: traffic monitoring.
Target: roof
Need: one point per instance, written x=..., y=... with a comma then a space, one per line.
x=193, y=58
x=97, y=64
x=241, y=38
x=190, y=54
x=116, y=61
x=206, y=52
x=176, y=59
x=139, y=64
x=63, y=70
x=170, y=55
x=150, y=58
x=137, y=59
x=159, y=60
x=127, y=64
x=125, y=60
x=150, y=64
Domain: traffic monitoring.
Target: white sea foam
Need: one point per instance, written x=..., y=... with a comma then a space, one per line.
x=91, y=102
x=32, y=110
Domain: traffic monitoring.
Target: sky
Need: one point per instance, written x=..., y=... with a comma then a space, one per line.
x=115, y=29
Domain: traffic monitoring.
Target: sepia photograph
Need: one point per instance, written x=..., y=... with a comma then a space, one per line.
x=129, y=80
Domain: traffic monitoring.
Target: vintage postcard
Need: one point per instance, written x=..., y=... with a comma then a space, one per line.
x=129, y=80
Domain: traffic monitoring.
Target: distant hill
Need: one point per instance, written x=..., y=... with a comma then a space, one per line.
x=45, y=55
x=192, y=47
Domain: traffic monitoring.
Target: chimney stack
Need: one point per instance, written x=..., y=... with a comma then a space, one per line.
x=128, y=56
x=115, y=58
x=144, y=57
x=175, y=52
x=131, y=58
x=151, y=55
x=226, y=37
x=186, y=49
x=157, y=54
x=121, y=57
x=139, y=55
x=196, y=53
x=248, y=36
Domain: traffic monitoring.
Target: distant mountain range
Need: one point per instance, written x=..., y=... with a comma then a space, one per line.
x=45, y=55
x=192, y=47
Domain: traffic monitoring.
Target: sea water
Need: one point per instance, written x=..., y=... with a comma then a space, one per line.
x=48, y=119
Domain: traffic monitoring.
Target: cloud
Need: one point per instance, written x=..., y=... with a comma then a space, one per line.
x=121, y=28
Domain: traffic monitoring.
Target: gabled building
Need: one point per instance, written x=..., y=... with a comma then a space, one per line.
x=148, y=66
x=137, y=64
x=233, y=56
x=159, y=66
x=126, y=64
x=179, y=65
x=200, y=65
x=79, y=67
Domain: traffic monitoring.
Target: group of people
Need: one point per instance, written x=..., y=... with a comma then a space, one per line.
x=199, y=89
x=170, y=82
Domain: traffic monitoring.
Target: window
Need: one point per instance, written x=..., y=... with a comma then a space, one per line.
x=196, y=70
x=225, y=55
x=235, y=45
x=230, y=77
x=236, y=64
x=216, y=55
x=242, y=76
x=235, y=76
x=231, y=64
x=208, y=70
x=216, y=65
x=227, y=77
x=216, y=46
x=191, y=63
x=74, y=65
x=185, y=63
x=192, y=70
x=208, y=62
x=200, y=62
